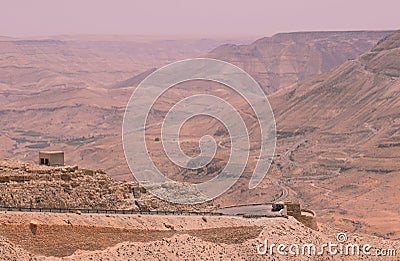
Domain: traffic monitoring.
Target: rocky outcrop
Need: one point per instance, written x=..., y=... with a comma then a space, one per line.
x=34, y=186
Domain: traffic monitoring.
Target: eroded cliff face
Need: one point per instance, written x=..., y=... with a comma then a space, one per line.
x=286, y=58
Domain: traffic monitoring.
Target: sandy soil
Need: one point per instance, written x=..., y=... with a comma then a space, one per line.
x=142, y=237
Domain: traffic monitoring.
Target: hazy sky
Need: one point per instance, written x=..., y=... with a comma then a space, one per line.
x=189, y=17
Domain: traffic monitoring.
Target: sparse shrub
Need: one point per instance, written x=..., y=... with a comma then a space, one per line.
x=279, y=166
x=291, y=94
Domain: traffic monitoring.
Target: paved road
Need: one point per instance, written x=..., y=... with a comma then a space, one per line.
x=285, y=191
x=257, y=210
x=265, y=209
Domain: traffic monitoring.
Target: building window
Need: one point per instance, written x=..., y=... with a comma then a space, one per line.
x=44, y=161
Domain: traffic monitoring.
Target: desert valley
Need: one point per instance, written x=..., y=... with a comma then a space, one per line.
x=336, y=101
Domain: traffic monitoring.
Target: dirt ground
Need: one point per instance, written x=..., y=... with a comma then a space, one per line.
x=56, y=236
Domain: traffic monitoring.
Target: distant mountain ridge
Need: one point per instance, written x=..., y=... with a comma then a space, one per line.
x=286, y=58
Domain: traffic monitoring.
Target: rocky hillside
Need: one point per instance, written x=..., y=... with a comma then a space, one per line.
x=286, y=58
x=339, y=141
x=34, y=186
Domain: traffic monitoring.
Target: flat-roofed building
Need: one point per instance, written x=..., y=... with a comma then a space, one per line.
x=51, y=158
